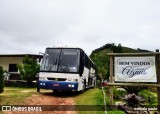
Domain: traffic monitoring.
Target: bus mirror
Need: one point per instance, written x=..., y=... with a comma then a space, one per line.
x=40, y=56
x=39, y=59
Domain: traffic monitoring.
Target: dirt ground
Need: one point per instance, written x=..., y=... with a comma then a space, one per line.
x=47, y=99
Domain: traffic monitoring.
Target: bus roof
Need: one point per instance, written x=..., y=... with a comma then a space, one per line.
x=63, y=48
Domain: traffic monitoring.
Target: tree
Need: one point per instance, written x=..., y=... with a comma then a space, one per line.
x=29, y=69
x=102, y=63
x=1, y=80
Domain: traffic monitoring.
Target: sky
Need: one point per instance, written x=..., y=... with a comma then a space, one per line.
x=29, y=26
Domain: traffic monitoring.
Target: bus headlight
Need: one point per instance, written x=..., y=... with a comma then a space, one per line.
x=71, y=85
x=73, y=80
x=43, y=84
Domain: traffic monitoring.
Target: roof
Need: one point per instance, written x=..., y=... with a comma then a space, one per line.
x=20, y=55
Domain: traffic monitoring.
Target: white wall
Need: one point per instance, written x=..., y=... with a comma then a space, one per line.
x=5, y=61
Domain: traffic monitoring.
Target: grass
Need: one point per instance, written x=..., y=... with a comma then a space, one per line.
x=92, y=97
x=150, y=97
x=15, y=95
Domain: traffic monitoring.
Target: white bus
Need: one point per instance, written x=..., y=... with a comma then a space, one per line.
x=66, y=69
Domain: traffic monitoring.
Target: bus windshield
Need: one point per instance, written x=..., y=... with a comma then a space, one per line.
x=61, y=60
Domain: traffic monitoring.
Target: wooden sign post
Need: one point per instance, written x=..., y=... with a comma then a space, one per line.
x=158, y=78
x=111, y=80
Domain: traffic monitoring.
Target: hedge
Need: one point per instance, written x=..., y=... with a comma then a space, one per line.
x=1, y=80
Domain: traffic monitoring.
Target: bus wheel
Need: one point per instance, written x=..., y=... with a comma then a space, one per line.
x=38, y=89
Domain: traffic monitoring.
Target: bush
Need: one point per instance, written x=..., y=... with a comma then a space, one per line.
x=1, y=80
x=148, y=96
x=18, y=83
x=29, y=69
x=133, y=100
x=133, y=89
x=118, y=93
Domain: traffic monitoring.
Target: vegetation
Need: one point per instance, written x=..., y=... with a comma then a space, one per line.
x=133, y=100
x=131, y=95
x=149, y=97
x=128, y=100
x=102, y=63
x=29, y=69
x=1, y=79
x=12, y=94
x=118, y=93
x=133, y=89
x=18, y=83
x=100, y=58
x=112, y=47
x=142, y=50
x=93, y=98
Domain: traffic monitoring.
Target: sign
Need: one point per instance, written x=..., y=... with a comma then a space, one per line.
x=135, y=69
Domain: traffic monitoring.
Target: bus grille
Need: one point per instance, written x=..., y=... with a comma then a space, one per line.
x=57, y=79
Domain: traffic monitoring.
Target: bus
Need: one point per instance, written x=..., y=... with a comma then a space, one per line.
x=66, y=69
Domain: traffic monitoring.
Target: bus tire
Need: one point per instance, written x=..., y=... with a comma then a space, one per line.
x=38, y=89
x=55, y=91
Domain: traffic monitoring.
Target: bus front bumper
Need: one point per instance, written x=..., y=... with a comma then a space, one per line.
x=58, y=85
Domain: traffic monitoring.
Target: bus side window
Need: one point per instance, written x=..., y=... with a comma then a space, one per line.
x=86, y=62
x=82, y=63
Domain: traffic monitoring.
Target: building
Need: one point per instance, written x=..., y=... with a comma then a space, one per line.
x=9, y=63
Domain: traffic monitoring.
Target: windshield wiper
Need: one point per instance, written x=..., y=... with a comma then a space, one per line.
x=52, y=65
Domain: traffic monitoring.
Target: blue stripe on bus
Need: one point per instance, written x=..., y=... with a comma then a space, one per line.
x=57, y=85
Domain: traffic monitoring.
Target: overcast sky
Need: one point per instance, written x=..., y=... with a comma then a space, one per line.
x=29, y=26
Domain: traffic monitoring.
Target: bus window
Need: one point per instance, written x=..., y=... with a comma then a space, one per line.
x=50, y=60
x=69, y=60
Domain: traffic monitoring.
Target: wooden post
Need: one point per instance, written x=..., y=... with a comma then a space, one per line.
x=158, y=78
x=111, y=80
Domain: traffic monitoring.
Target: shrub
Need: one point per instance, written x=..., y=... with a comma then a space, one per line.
x=118, y=93
x=29, y=69
x=133, y=89
x=1, y=79
x=148, y=96
x=18, y=83
x=133, y=100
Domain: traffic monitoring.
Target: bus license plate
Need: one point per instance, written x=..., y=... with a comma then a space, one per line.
x=55, y=84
